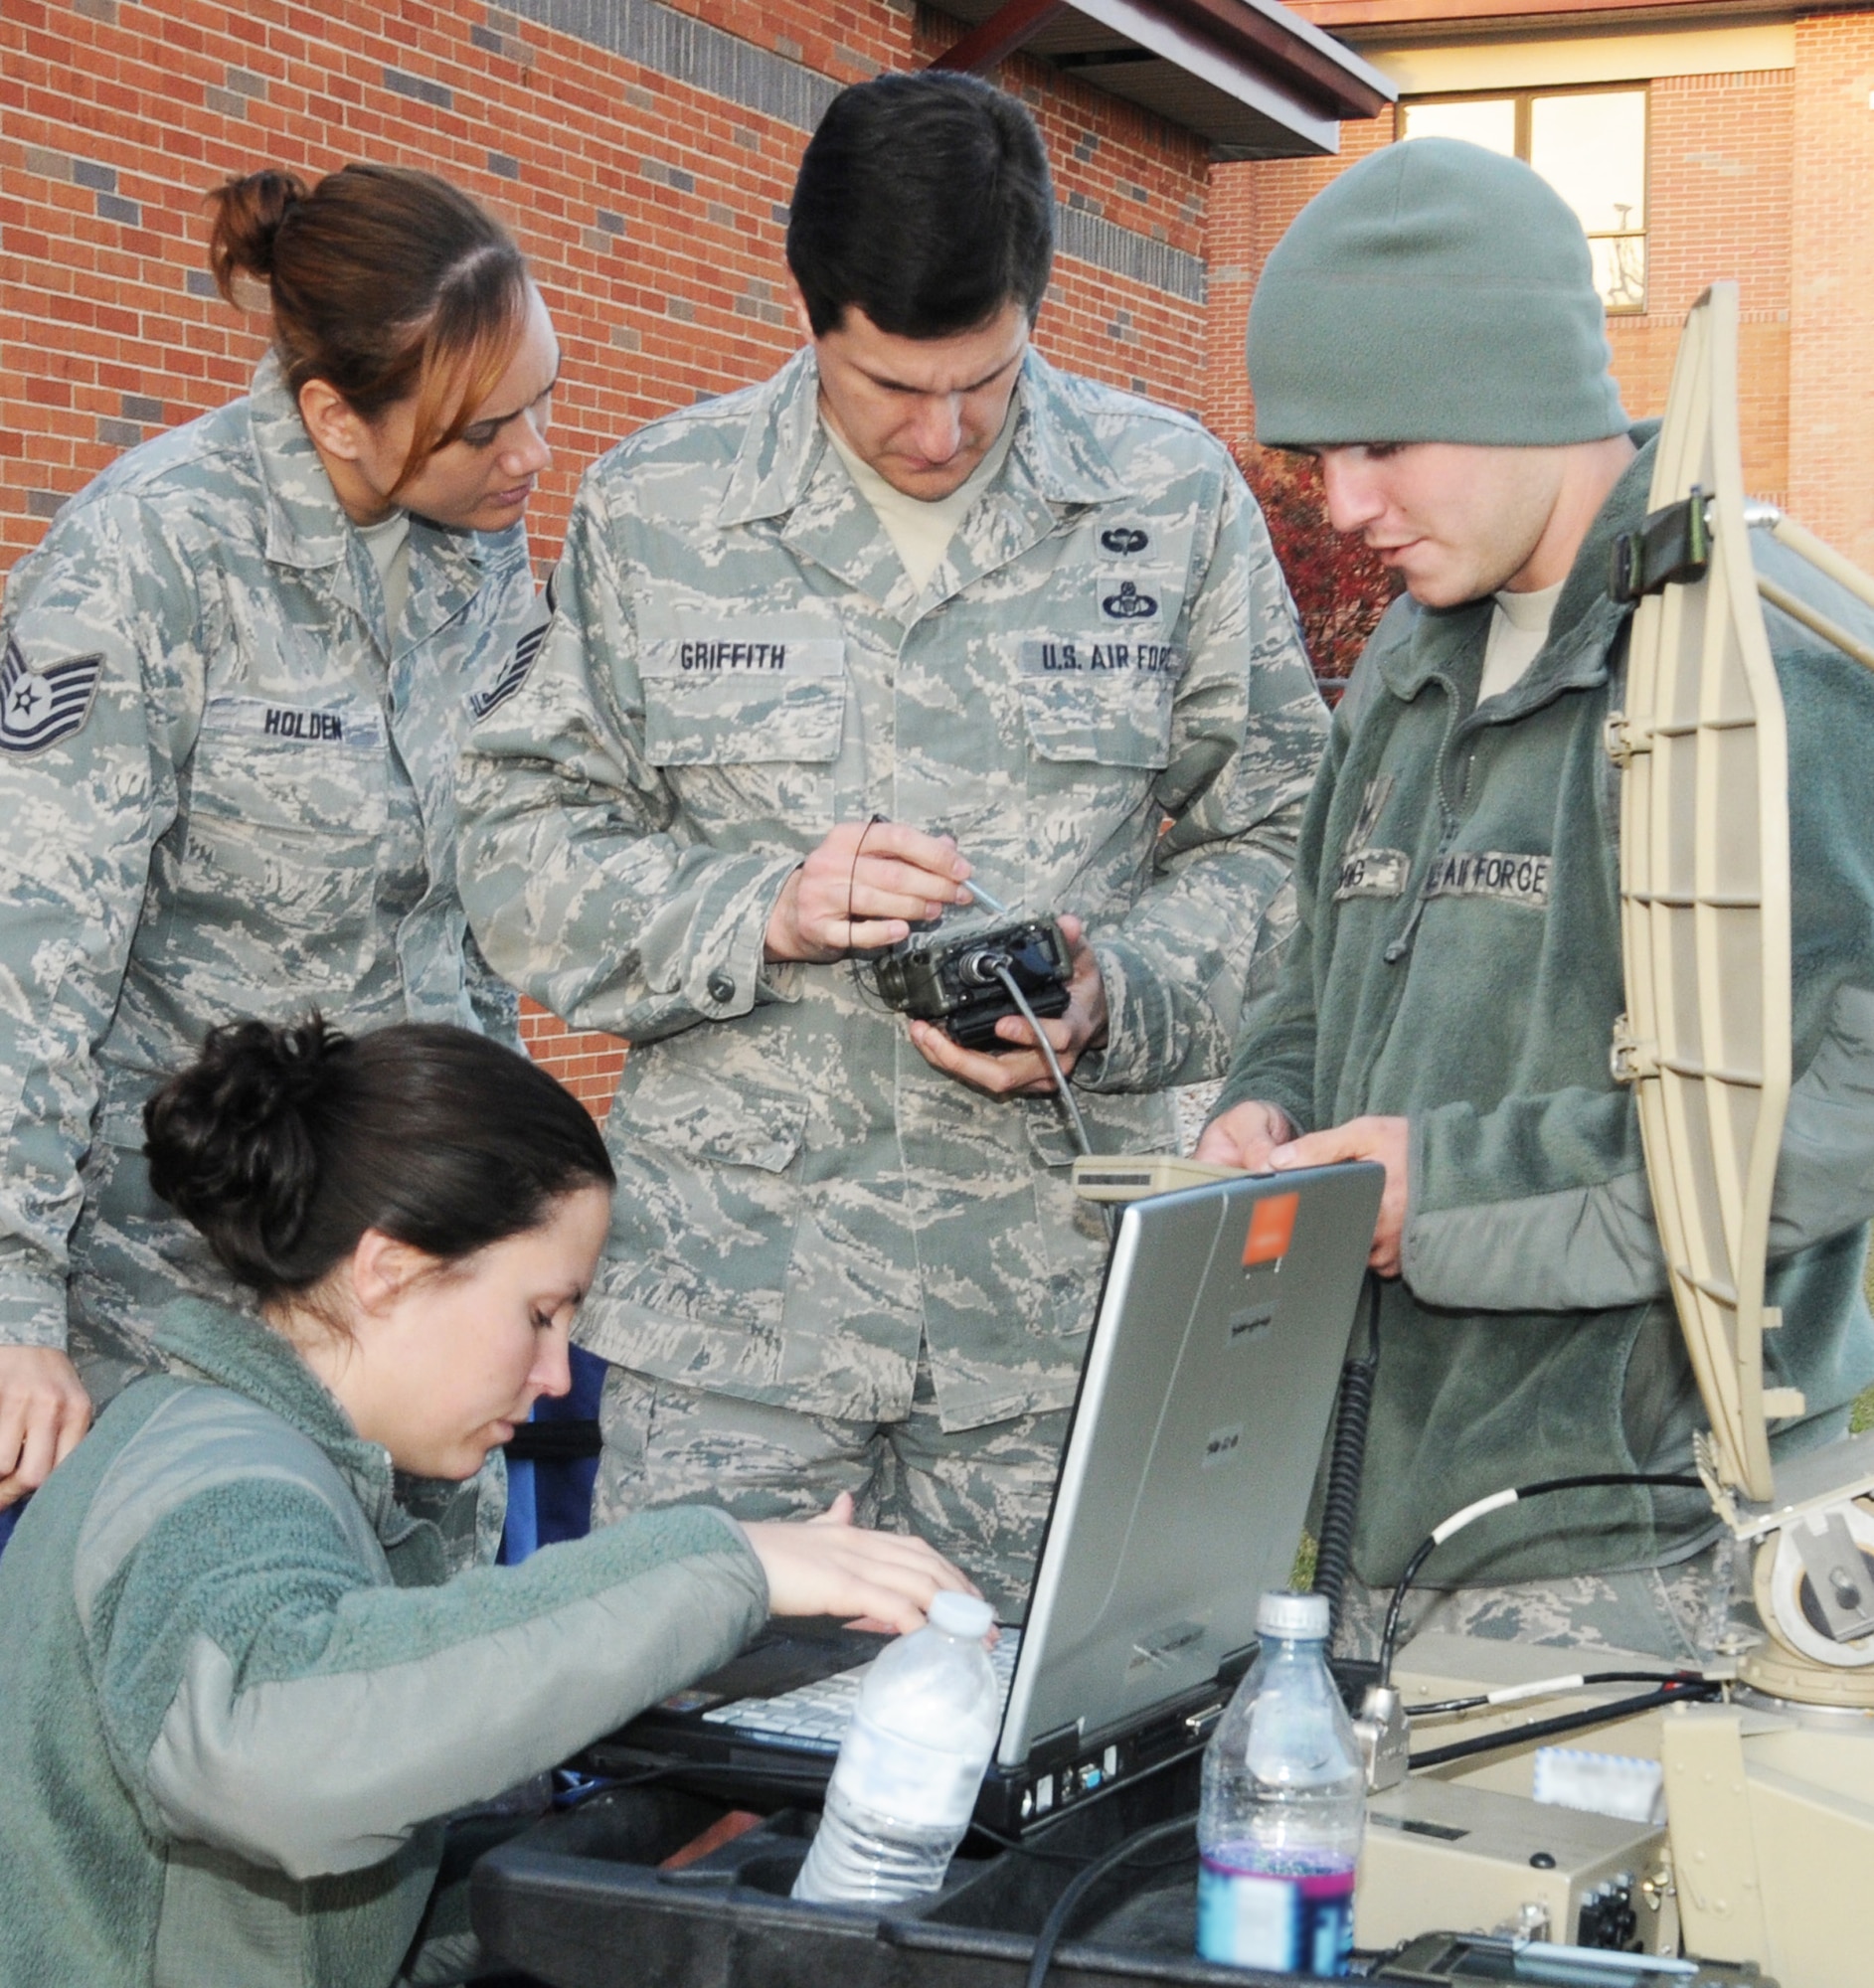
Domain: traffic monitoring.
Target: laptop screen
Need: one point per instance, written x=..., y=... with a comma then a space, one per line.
x=1195, y=1438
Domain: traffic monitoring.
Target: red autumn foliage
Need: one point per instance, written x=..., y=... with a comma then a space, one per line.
x=1341, y=589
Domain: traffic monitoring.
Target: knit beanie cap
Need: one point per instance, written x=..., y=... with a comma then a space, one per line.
x=1435, y=291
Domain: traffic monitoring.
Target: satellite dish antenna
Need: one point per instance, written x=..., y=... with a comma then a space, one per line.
x=1705, y=1040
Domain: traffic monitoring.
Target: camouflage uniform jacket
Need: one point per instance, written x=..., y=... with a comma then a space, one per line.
x=229, y=792
x=1458, y=964
x=738, y=662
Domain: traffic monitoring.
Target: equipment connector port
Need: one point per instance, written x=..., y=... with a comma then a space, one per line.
x=1608, y=1919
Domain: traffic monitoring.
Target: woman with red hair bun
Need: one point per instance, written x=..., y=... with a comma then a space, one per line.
x=233, y=682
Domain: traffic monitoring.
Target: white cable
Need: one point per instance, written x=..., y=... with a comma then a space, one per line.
x=1510, y=1693
x=1459, y=1519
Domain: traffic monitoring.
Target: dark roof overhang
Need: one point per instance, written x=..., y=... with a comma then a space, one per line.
x=1250, y=75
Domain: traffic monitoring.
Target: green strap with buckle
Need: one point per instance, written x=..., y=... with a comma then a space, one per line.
x=1671, y=547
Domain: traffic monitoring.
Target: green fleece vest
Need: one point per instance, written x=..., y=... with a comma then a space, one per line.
x=239, y=1678
x=1457, y=963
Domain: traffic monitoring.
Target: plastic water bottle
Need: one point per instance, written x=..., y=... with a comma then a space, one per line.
x=911, y=1764
x=1284, y=1805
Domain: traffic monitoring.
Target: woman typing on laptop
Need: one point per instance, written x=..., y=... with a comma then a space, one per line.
x=240, y=1682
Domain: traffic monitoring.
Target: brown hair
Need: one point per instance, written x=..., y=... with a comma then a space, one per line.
x=385, y=282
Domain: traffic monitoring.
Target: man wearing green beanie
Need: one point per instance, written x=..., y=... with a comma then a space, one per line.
x=1429, y=330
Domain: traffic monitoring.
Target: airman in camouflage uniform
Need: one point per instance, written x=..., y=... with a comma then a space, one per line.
x=228, y=787
x=832, y=1266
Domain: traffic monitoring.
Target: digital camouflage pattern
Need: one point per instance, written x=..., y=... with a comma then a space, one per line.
x=737, y=663
x=1692, y=1611
x=253, y=815
x=980, y=1496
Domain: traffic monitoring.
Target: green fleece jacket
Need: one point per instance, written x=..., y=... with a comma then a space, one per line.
x=238, y=1683
x=1457, y=963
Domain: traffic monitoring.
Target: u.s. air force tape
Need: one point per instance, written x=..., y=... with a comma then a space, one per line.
x=1516, y=878
x=700, y=658
x=1078, y=656
x=40, y=704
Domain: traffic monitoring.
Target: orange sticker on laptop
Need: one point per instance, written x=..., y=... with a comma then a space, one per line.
x=1272, y=1230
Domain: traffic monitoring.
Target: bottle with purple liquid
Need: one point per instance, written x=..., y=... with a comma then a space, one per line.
x=1284, y=1805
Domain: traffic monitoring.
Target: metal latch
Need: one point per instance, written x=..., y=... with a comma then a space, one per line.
x=1838, y=1573
x=1628, y=1058
x=1672, y=546
x=1199, y=1722
x=1620, y=740
x=1384, y=1737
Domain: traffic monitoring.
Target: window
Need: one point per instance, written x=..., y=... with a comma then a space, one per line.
x=1591, y=147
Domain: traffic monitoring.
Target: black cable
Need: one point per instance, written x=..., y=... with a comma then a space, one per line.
x=858, y=850
x=1341, y=1502
x=1498, y=1502
x=1052, y=1928
x=1568, y=1722
x=1442, y=1708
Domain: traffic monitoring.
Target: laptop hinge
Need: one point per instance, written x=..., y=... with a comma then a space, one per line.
x=1053, y=1749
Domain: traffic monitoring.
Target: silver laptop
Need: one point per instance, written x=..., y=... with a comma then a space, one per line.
x=1209, y=1383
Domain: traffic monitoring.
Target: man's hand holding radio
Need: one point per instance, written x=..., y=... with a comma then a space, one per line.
x=863, y=888
x=1021, y=1072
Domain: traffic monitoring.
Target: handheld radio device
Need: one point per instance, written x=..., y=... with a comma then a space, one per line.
x=955, y=979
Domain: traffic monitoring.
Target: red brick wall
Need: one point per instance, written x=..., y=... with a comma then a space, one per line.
x=652, y=210
x=590, y=1065
x=1831, y=308
x=1719, y=206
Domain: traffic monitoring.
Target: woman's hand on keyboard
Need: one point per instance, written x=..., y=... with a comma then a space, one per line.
x=827, y=1565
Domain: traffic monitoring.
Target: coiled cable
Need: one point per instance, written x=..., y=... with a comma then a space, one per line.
x=1340, y=1504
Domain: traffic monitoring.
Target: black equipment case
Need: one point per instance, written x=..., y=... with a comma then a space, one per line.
x=578, y=1902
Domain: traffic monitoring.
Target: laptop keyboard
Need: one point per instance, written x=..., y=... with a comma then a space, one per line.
x=812, y=1718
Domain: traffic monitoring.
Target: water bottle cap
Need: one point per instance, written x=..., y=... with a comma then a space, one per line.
x=960, y=1614
x=1281, y=1613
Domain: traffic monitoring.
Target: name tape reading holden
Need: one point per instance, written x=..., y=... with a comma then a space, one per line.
x=340, y=724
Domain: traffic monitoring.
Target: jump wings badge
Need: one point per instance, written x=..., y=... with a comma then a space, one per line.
x=38, y=706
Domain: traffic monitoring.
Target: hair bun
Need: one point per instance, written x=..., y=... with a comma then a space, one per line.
x=268, y=1070
x=229, y=1143
x=248, y=214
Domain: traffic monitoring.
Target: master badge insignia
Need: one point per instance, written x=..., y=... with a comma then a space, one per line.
x=1129, y=604
x=38, y=706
